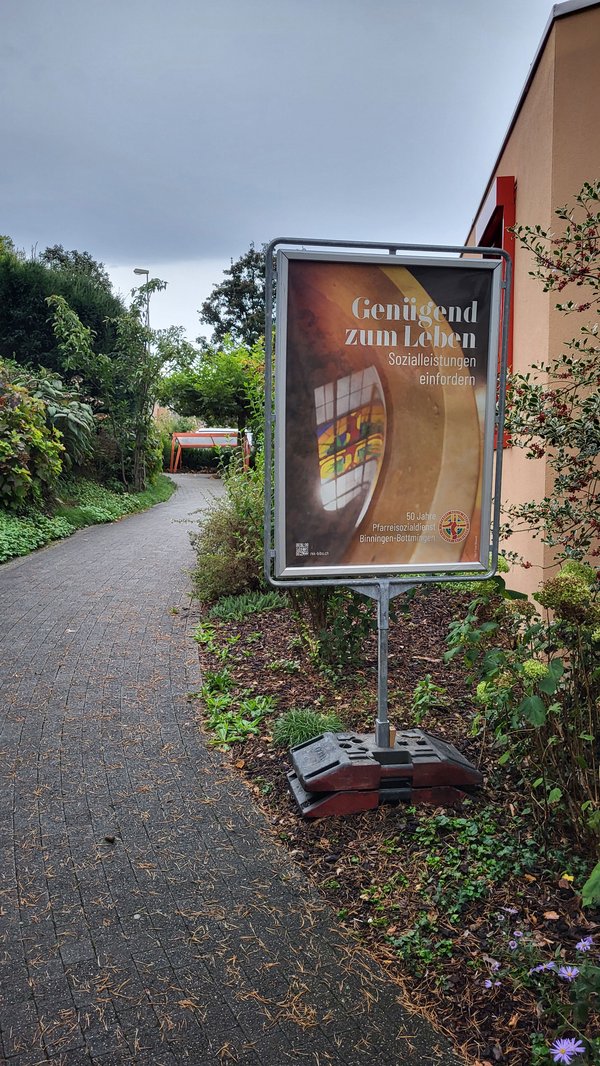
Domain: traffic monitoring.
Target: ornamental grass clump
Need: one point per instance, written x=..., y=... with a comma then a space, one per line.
x=303, y=723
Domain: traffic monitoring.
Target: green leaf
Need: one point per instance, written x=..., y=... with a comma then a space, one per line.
x=554, y=795
x=590, y=893
x=504, y=758
x=587, y=736
x=511, y=594
x=533, y=710
x=548, y=684
x=556, y=667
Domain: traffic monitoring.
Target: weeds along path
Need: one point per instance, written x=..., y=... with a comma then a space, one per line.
x=146, y=913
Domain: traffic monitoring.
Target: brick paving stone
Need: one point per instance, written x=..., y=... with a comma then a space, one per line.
x=186, y=938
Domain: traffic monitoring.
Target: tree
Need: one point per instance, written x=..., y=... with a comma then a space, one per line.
x=553, y=411
x=26, y=333
x=236, y=307
x=223, y=386
x=127, y=380
x=77, y=263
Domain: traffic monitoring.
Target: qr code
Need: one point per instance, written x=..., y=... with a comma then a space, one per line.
x=302, y=549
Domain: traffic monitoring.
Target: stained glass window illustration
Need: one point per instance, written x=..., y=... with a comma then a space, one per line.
x=351, y=420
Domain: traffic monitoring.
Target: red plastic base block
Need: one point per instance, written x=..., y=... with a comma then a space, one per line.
x=321, y=804
x=341, y=773
x=442, y=796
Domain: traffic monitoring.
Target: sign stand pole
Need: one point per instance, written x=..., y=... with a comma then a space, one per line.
x=383, y=592
x=382, y=724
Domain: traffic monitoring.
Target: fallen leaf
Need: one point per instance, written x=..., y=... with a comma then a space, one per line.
x=513, y=1021
x=551, y=916
x=240, y=763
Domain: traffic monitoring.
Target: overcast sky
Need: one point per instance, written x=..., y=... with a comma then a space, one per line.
x=169, y=134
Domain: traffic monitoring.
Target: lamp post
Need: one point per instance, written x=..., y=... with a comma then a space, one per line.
x=140, y=270
x=143, y=402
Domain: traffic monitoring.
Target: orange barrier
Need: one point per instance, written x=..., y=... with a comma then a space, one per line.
x=210, y=437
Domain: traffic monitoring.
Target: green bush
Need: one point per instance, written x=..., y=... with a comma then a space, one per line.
x=63, y=409
x=335, y=624
x=30, y=450
x=426, y=697
x=236, y=608
x=86, y=502
x=234, y=722
x=537, y=684
x=303, y=723
x=19, y=535
x=229, y=544
x=83, y=503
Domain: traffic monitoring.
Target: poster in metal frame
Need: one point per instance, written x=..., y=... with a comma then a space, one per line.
x=386, y=377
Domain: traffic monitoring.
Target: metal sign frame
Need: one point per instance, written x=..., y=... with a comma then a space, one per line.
x=408, y=573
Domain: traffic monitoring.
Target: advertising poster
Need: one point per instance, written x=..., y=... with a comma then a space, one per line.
x=385, y=385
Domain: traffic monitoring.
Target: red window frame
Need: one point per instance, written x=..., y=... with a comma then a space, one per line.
x=492, y=230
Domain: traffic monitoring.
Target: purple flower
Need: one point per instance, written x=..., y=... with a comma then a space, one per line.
x=510, y=910
x=494, y=965
x=586, y=944
x=487, y=983
x=517, y=932
x=513, y=945
x=543, y=966
x=565, y=1048
x=568, y=973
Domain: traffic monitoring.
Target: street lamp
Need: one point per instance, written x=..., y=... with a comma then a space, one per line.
x=140, y=270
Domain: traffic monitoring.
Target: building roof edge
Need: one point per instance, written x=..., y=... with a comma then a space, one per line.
x=562, y=10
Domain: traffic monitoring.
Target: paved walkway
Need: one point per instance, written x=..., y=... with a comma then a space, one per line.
x=146, y=914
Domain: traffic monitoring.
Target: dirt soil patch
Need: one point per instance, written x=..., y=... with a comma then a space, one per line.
x=459, y=906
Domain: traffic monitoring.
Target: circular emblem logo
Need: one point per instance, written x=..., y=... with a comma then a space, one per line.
x=454, y=526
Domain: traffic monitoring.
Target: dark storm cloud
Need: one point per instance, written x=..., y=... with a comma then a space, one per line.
x=177, y=130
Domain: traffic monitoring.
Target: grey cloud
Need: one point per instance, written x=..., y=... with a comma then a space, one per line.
x=186, y=129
